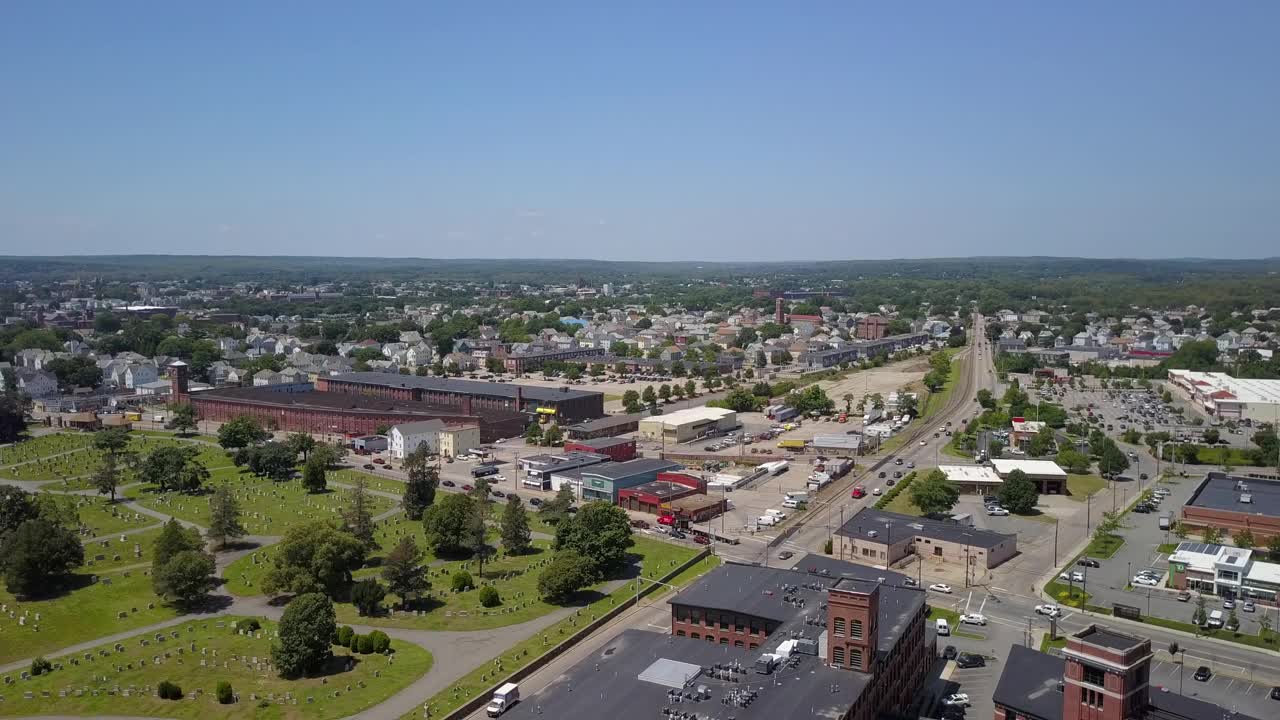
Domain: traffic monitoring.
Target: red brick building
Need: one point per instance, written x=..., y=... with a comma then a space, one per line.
x=872, y=327
x=618, y=449
x=564, y=404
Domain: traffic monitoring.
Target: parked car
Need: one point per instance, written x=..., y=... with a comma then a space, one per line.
x=467, y=488
x=1228, y=604
x=497, y=493
x=448, y=483
x=1275, y=693
x=786, y=555
x=891, y=482
x=1145, y=580
x=1184, y=596
x=1049, y=610
x=535, y=501
x=702, y=539
x=876, y=491
x=676, y=534
x=1089, y=562
x=1248, y=607
x=970, y=660
x=961, y=699
x=949, y=652
x=1203, y=673
x=997, y=511
x=973, y=619
x=367, y=466
x=882, y=473
x=940, y=587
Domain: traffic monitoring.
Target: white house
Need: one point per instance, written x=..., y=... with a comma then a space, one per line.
x=406, y=437
x=36, y=383
x=137, y=375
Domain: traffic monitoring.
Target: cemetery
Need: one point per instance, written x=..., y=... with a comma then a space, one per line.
x=71, y=462
x=123, y=678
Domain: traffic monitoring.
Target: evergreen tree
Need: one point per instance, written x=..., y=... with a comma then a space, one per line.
x=476, y=527
x=224, y=516
x=315, y=476
x=358, y=517
x=420, y=489
x=403, y=571
x=516, y=536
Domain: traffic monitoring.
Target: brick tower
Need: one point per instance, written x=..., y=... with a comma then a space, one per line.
x=852, y=606
x=779, y=316
x=180, y=391
x=1106, y=675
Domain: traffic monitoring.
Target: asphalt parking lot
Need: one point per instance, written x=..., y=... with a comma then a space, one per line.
x=979, y=683
x=1229, y=687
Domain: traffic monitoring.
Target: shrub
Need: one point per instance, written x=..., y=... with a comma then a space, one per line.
x=828, y=547
x=489, y=597
x=40, y=666
x=345, y=633
x=366, y=644
x=381, y=641
x=460, y=581
x=224, y=693
x=250, y=625
x=169, y=691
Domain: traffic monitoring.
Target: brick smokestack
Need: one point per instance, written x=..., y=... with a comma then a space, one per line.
x=179, y=390
x=779, y=316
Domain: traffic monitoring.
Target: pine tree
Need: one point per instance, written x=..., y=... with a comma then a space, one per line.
x=476, y=528
x=358, y=517
x=224, y=516
x=516, y=536
x=403, y=570
x=315, y=475
x=420, y=490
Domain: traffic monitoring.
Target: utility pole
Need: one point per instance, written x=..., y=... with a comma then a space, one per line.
x=1055, y=542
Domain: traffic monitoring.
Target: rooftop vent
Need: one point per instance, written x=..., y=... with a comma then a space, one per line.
x=1246, y=498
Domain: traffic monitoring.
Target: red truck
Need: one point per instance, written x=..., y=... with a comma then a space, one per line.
x=858, y=492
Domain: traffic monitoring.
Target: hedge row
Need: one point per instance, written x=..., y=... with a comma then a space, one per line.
x=888, y=497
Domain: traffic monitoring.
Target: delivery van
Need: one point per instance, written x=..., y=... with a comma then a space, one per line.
x=941, y=627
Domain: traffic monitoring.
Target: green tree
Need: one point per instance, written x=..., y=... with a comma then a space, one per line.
x=367, y=596
x=599, y=531
x=315, y=476
x=1018, y=494
x=1041, y=444
x=1113, y=460
x=1198, y=616
x=37, y=557
x=107, y=477
x=533, y=434
x=186, y=578
x=314, y=557
x=566, y=574
x=1273, y=546
x=811, y=399
x=1132, y=436
x=357, y=518
x=112, y=441
x=1073, y=461
x=16, y=507
x=631, y=401
x=691, y=388
x=934, y=494
x=420, y=487
x=241, y=431
x=664, y=392
x=305, y=631
x=182, y=418
x=271, y=459
x=173, y=467
x=301, y=444
x=12, y=414
x=741, y=400
x=476, y=527
x=326, y=454
x=445, y=524
x=404, y=572
x=556, y=509
x=224, y=516
x=1211, y=535
x=516, y=536
x=677, y=390
x=1244, y=539
x=173, y=540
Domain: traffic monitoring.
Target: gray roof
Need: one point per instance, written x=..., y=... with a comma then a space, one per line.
x=1110, y=639
x=607, y=684
x=608, y=421
x=1218, y=492
x=603, y=442
x=464, y=387
x=618, y=471
x=420, y=427
x=887, y=524
x=1029, y=683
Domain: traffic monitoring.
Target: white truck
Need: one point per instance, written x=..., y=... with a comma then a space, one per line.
x=503, y=698
x=797, y=495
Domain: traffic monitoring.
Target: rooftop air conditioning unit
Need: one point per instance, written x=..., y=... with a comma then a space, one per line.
x=1246, y=498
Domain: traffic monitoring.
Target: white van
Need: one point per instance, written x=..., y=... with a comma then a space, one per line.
x=791, y=504
x=776, y=513
x=1215, y=619
x=942, y=627
x=766, y=521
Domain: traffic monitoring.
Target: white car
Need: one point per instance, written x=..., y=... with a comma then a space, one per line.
x=923, y=443
x=1145, y=580
x=499, y=478
x=1071, y=576
x=939, y=587
x=973, y=619
x=877, y=491
x=956, y=699
x=997, y=511
x=1050, y=610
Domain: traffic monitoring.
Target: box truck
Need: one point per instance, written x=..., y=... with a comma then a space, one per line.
x=503, y=698
x=1166, y=520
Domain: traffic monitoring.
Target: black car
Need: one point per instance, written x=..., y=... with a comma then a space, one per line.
x=1144, y=509
x=1275, y=693
x=952, y=712
x=497, y=493
x=891, y=482
x=448, y=483
x=949, y=652
x=969, y=660
x=882, y=473
x=1086, y=562
x=535, y=502
x=1203, y=673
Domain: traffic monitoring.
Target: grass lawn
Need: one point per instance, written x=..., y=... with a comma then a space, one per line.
x=74, y=468
x=1104, y=547
x=484, y=676
x=357, y=689
x=939, y=400
x=1166, y=548
x=1268, y=642
x=100, y=517
x=43, y=446
x=112, y=547
x=268, y=507
x=1080, y=487
x=1047, y=643
x=1064, y=594
x=373, y=482
x=516, y=579
x=902, y=504
x=82, y=614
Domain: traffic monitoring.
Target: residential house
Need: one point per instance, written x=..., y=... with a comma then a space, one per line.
x=36, y=383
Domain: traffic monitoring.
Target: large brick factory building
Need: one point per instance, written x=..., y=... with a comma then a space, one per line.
x=565, y=405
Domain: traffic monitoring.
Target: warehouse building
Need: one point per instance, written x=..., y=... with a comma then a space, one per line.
x=607, y=426
x=565, y=405
x=539, y=468
x=603, y=482
x=881, y=539
x=1229, y=398
x=1236, y=502
x=862, y=350
x=658, y=497
x=298, y=408
x=1051, y=479
x=688, y=424
x=974, y=479
x=618, y=449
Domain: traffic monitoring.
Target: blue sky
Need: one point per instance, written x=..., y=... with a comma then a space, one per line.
x=641, y=130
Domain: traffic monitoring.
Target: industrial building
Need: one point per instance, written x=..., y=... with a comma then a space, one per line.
x=974, y=479
x=1100, y=674
x=1235, y=502
x=881, y=539
x=528, y=362
x=563, y=404
x=862, y=350
x=1051, y=479
x=539, y=468
x=607, y=426
x=618, y=449
x=688, y=424
x=299, y=408
x=757, y=643
x=1230, y=398
x=604, y=481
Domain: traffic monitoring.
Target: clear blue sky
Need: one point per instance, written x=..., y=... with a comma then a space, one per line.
x=671, y=130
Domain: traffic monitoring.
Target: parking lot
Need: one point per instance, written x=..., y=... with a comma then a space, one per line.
x=990, y=641
x=1228, y=686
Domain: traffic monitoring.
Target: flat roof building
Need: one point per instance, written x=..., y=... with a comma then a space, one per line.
x=602, y=482
x=976, y=479
x=1045, y=473
x=688, y=424
x=607, y=426
x=565, y=404
x=1234, y=503
x=618, y=449
x=882, y=539
x=1230, y=398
